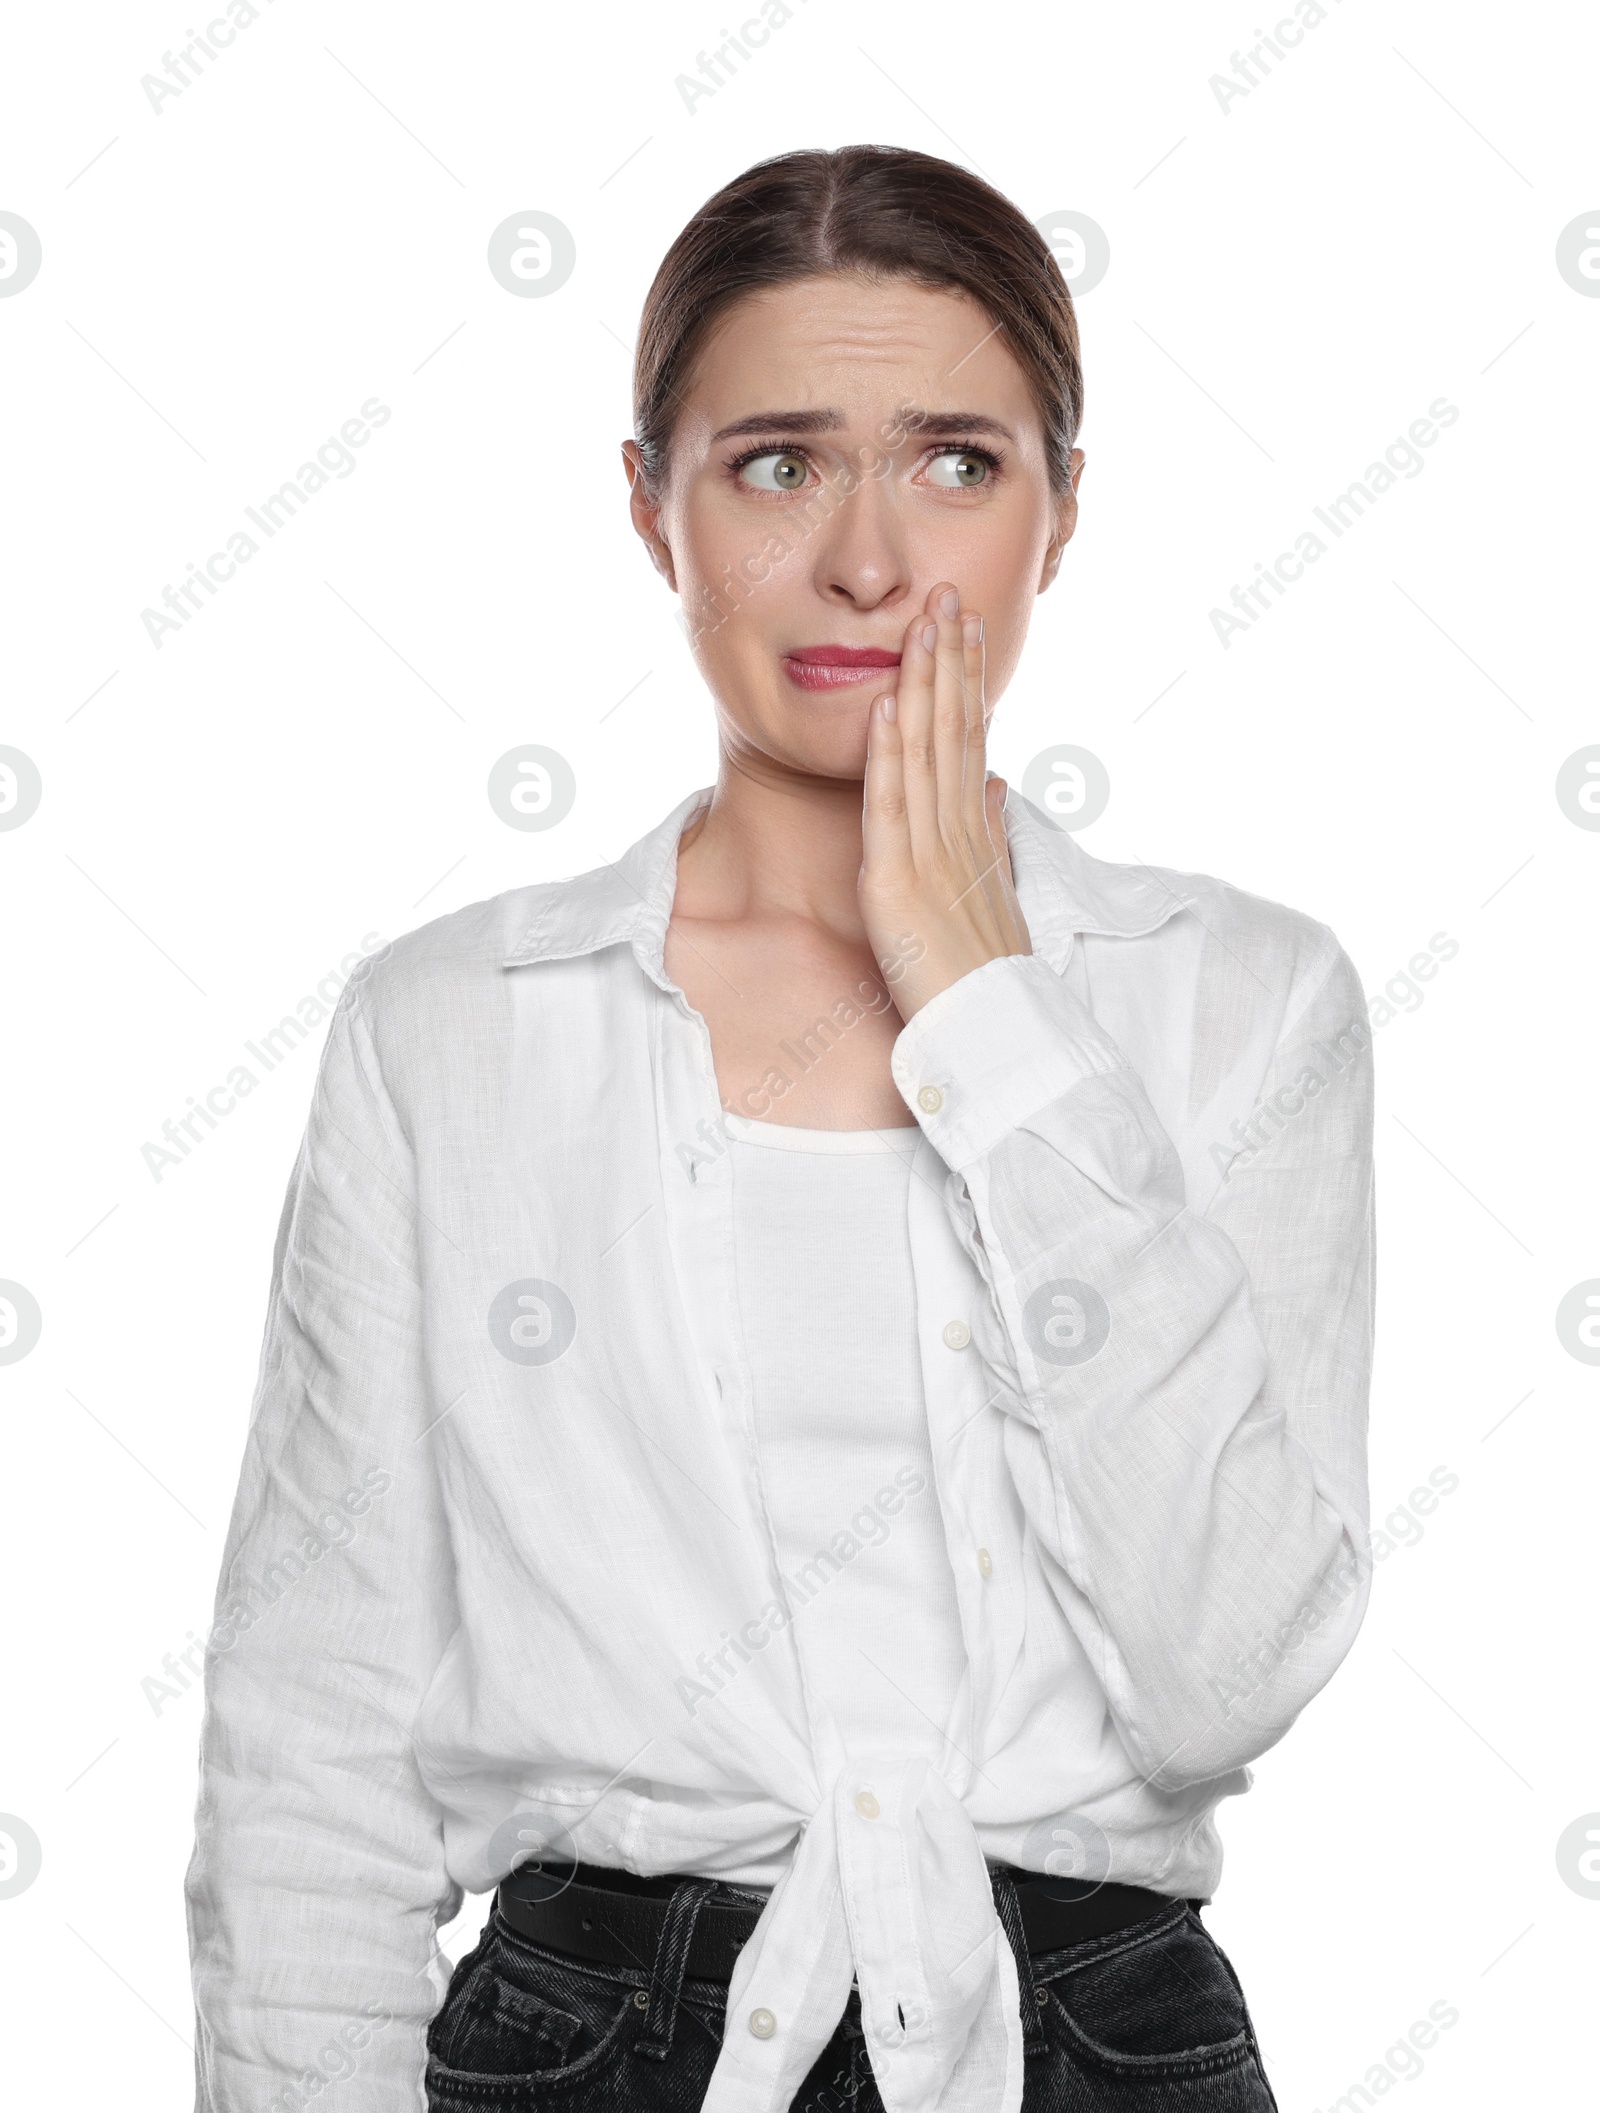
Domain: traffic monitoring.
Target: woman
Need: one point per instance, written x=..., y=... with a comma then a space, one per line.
x=836, y=1346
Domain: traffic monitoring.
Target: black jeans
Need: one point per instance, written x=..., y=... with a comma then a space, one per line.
x=1149, y=2019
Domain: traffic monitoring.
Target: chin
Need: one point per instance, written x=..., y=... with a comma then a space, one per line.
x=832, y=742
x=841, y=754
x=849, y=762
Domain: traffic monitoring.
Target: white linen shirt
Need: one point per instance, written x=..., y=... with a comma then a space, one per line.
x=500, y=1497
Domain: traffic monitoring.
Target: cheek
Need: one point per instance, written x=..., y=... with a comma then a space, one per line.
x=1012, y=566
x=749, y=591
x=1000, y=581
x=1003, y=640
x=737, y=603
x=994, y=554
x=725, y=557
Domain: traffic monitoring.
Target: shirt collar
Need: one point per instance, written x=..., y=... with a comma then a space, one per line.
x=1062, y=890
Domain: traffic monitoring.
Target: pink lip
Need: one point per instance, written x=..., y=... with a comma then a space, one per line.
x=831, y=667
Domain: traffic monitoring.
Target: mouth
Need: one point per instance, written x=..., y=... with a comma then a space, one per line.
x=837, y=667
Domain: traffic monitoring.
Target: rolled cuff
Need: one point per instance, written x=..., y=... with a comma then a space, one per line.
x=997, y=1045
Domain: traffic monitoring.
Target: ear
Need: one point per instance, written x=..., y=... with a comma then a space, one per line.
x=1065, y=522
x=646, y=514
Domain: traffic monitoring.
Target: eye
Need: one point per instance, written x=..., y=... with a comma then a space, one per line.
x=959, y=467
x=779, y=470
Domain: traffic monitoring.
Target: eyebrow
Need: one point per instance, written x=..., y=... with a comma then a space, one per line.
x=935, y=425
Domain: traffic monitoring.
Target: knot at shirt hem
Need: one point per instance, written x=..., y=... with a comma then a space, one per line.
x=901, y=1900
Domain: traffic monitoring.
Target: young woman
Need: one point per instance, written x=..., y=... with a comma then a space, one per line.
x=812, y=1414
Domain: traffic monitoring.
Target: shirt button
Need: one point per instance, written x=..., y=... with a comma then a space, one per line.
x=930, y=1099
x=867, y=1805
x=763, y=2024
x=957, y=1334
x=985, y=1563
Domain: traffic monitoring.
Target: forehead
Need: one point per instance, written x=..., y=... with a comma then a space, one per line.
x=865, y=346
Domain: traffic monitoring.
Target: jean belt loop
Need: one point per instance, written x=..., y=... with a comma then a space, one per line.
x=1009, y=1909
x=672, y=1958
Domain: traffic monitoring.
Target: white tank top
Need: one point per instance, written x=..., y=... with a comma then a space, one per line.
x=827, y=1301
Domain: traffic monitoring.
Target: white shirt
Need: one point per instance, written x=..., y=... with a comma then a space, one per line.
x=827, y=1306
x=500, y=1491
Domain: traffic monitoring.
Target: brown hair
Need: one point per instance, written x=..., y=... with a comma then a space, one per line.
x=888, y=212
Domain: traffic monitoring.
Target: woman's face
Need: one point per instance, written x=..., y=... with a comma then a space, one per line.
x=842, y=448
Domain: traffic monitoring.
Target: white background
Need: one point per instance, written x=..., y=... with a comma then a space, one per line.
x=1292, y=282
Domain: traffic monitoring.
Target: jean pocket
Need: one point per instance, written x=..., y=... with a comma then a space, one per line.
x=521, y=2028
x=1154, y=2002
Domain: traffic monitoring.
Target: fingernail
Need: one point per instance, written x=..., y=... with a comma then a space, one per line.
x=950, y=602
x=888, y=705
x=930, y=636
x=971, y=630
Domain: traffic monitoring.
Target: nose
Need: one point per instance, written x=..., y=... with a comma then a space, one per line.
x=861, y=559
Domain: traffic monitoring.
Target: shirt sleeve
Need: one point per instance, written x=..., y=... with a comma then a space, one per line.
x=318, y=1877
x=1185, y=1392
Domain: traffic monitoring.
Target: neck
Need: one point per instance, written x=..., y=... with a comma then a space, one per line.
x=774, y=844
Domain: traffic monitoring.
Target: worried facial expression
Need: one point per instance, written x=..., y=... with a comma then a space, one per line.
x=842, y=447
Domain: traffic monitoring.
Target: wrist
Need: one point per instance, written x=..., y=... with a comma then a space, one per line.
x=915, y=982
